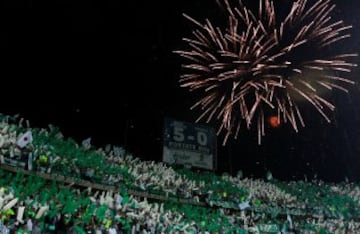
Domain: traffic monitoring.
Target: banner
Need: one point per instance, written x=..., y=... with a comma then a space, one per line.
x=189, y=144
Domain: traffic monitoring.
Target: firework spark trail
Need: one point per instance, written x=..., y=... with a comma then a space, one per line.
x=253, y=64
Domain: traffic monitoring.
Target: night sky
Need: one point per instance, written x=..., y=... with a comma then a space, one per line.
x=106, y=70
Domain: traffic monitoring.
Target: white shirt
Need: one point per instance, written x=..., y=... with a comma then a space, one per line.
x=112, y=231
x=29, y=225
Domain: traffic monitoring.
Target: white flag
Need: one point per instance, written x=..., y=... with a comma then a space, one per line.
x=20, y=214
x=86, y=143
x=25, y=139
x=244, y=205
x=290, y=221
x=41, y=211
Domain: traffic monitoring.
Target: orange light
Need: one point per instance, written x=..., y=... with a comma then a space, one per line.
x=274, y=121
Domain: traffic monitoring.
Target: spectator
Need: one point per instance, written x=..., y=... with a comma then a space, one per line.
x=112, y=230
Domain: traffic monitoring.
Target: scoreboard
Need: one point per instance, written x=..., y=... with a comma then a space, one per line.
x=189, y=144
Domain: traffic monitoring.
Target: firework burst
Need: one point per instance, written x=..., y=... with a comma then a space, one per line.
x=256, y=63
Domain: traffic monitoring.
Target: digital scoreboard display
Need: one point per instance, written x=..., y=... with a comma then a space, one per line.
x=189, y=144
